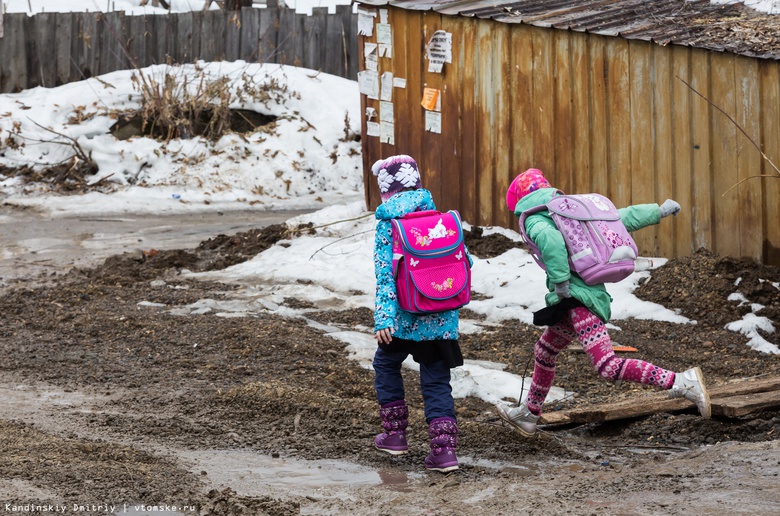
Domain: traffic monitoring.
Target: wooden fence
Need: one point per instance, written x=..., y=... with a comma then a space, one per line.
x=596, y=113
x=51, y=49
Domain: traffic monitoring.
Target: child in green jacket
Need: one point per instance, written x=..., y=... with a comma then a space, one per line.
x=583, y=310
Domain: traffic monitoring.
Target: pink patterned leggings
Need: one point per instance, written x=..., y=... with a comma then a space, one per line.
x=580, y=323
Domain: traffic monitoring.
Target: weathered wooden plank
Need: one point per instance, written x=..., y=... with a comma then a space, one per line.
x=521, y=75
x=581, y=131
x=562, y=111
x=502, y=133
x=250, y=37
x=15, y=77
x=212, y=45
x=737, y=406
x=136, y=43
x=641, y=139
x=110, y=31
x=769, y=73
x=724, y=155
x=430, y=157
x=370, y=144
x=543, y=128
x=663, y=170
x=659, y=402
x=350, y=27
x=748, y=116
x=450, y=108
x=182, y=51
x=45, y=27
x=314, y=38
x=701, y=130
x=468, y=125
x=599, y=134
x=682, y=151
x=267, y=34
x=287, y=36
x=33, y=63
x=232, y=35
x=486, y=120
x=63, y=34
x=619, y=121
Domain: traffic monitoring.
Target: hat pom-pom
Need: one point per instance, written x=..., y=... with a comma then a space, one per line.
x=377, y=166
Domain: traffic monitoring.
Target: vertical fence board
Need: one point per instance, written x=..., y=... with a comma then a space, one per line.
x=486, y=121
x=112, y=41
x=469, y=170
x=581, y=120
x=286, y=39
x=724, y=156
x=250, y=36
x=348, y=47
x=599, y=165
x=701, y=116
x=543, y=103
x=451, y=113
x=313, y=37
x=45, y=34
x=769, y=72
x=682, y=150
x=562, y=111
x=412, y=121
x=663, y=170
x=431, y=142
x=63, y=35
x=33, y=62
x=522, y=102
x=502, y=132
x=619, y=116
x=268, y=34
x=641, y=138
x=136, y=44
x=748, y=116
x=182, y=51
x=232, y=36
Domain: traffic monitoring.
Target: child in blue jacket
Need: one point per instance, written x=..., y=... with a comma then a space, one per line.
x=431, y=340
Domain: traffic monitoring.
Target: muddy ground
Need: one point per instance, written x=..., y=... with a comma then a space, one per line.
x=112, y=402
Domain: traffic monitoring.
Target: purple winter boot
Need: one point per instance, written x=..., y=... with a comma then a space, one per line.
x=444, y=440
x=395, y=418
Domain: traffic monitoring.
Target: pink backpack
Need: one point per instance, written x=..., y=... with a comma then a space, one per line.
x=600, y=247
x=431, y=269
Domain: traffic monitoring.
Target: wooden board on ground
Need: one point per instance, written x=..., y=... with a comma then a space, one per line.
x=732, y=399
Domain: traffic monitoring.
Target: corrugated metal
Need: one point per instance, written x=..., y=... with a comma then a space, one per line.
x=696, y=23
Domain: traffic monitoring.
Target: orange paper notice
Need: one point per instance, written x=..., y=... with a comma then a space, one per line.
x=430, y=96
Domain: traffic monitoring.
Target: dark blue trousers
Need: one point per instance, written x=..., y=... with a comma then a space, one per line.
x=434, y=383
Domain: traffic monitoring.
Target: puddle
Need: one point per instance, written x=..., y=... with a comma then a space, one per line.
x=254, y=474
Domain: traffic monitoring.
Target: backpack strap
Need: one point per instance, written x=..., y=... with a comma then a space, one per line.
x=535, y=252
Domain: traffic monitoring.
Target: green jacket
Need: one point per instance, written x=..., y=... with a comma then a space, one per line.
x=542, y=231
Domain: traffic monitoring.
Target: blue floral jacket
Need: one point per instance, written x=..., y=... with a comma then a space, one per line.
x=387, y=314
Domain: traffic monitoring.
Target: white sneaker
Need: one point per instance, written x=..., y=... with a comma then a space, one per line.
x=690, y=385
x=519, y=418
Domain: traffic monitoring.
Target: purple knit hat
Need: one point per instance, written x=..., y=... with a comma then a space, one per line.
x=396, y=173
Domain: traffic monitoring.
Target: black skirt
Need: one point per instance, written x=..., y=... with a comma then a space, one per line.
x=550, y=315
x=427, y=351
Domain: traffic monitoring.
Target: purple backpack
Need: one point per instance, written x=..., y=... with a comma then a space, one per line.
x=430, y=265
x=600, y=248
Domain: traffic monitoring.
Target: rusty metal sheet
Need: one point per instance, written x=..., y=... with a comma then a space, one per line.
x=733, y=28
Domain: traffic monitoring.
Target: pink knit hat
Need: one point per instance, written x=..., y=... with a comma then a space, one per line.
x=525, y=183
x=395, y=174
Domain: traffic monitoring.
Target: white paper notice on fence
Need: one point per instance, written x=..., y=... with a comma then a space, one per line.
x=368, y=84
x=386, y=133
x=439, y=50
x=365, y=24
x=386, y=112
x=384, y=37
x=387, y=86
x=399, y=82
x=383, y=15
x=433, y=122
x=372, y=59
x=372, y=128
